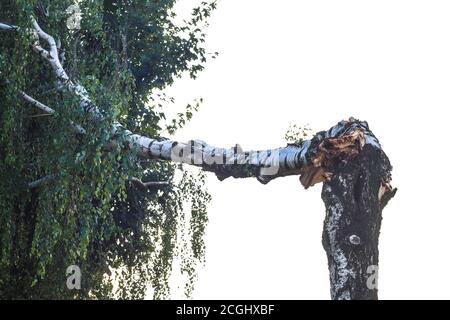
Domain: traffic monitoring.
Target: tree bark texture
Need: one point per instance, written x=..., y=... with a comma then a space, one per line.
x=354, y=198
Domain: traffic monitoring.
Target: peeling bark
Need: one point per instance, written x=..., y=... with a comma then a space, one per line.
x=310, y=160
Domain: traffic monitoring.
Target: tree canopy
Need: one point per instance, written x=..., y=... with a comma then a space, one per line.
x=123, y=237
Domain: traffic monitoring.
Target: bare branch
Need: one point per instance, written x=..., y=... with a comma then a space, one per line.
x=48, y=110
x=8, y=27
x=39, y=182
x=52, y=55
x=143, y=186
x=39, y=115
x=53, y=59
x=37, y=104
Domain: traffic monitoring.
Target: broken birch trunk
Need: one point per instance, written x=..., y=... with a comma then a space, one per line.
x=347, y=158
x=354, y=198
x=356, y=177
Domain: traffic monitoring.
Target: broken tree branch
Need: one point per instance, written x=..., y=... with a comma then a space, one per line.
x=348, y=158
x=352, y=224
x=309, y=160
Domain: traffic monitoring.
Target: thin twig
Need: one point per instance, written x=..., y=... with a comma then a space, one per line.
x=39, y=115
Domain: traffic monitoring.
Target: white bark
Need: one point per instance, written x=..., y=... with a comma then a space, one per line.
x=53, y=59
x=308, y=160
x=37, y=104
x=7, y=27
x=48, y=110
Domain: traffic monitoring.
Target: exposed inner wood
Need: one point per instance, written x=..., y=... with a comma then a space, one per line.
x=345, y=147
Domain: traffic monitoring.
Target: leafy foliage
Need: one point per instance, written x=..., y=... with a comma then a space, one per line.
x=298, y=134
x=89, y=214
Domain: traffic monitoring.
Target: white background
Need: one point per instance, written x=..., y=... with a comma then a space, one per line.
x=318, y=62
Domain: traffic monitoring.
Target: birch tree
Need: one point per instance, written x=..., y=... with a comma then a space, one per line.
x=80, y=135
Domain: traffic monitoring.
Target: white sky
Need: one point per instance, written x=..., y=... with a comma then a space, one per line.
x=318, y=62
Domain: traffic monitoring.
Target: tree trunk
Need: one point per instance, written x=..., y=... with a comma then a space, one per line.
x=354, y=198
